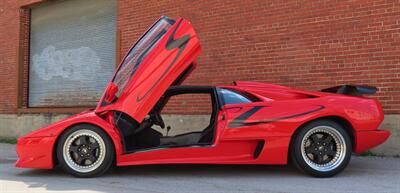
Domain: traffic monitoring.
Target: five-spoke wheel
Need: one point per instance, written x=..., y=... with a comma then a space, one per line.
x=321, y=148
x=85, y=150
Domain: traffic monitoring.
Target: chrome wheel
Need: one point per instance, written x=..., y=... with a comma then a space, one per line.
x=323, y=148
x=84, y=150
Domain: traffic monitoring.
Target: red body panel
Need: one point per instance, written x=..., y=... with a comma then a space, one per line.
x=33, y=152
x=366, y=140
x=240, y=130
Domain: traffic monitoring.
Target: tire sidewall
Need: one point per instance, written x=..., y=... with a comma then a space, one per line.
x=109, y=155
x=296, y=154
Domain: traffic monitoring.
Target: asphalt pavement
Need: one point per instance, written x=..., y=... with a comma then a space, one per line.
x=364, y=174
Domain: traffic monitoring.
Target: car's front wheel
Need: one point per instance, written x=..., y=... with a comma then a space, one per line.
x=321, y=148
x=85, y=151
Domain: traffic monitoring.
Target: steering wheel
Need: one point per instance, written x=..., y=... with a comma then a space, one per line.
x=154, y=118
x=158, y=120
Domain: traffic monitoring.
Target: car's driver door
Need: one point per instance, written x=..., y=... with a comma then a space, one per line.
x=155, y=62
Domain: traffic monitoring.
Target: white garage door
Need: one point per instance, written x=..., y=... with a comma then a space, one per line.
x=72, y=52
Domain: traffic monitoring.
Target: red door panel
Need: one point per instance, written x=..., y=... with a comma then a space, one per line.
x=165, y=57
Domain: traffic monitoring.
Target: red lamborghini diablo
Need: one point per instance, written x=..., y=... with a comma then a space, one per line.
x=250, y=122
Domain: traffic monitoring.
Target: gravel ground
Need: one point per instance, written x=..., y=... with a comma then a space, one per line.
x=364, y=174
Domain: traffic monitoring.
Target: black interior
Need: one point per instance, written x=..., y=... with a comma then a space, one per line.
x=140, y=136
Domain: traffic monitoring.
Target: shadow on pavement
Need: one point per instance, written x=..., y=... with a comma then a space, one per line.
x=147, y=178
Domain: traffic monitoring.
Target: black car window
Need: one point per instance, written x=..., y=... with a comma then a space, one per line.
x=233, y=97
x=139, y=51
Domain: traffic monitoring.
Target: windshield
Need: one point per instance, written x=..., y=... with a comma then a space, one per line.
x=139, y=51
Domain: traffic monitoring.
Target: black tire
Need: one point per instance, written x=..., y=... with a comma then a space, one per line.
x=102, y=165
x=300, y=156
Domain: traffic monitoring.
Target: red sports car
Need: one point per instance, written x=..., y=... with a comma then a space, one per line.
x=249, y=122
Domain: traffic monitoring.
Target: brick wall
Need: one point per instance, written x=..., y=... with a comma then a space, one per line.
x=9, y=24
x=14, y=44
x=305, y=44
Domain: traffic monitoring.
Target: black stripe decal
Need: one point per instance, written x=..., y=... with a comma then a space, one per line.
x=239, y=121
x=171, y=44
x=239, y=124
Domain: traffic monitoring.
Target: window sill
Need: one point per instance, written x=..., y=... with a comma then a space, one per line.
x=59, y=110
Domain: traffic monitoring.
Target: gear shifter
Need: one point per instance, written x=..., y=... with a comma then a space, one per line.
x=168, y=128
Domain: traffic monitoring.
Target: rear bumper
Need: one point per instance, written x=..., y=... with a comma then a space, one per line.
x=365, y=140
x=35, y=152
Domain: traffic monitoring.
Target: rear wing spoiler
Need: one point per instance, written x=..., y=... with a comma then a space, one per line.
x=352, y=90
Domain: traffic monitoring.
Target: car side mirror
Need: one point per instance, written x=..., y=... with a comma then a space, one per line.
x=111, y=92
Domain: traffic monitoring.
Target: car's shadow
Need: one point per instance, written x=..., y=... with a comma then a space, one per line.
x=184, y=170
x=168, y=178
x=150, y=178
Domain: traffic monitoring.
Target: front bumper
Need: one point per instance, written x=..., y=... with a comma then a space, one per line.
x=35, y=152
x=365, y=140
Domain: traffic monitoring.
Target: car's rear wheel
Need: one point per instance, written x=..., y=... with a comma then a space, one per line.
x=85, y=151
x=321, y=148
